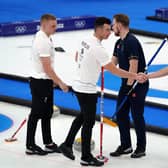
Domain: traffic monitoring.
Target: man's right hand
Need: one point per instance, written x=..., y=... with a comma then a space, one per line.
x=141, y=77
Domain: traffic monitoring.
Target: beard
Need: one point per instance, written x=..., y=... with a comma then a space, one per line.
x=117, y=33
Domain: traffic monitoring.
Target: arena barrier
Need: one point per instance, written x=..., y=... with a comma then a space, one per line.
x=31, y=27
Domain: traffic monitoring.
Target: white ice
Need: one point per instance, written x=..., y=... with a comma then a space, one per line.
x=15, y=56
x=12, y=155
x=15, y=59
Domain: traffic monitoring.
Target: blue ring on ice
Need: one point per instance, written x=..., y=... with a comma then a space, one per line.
x=5, y=122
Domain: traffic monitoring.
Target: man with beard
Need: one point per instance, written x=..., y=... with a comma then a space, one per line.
x=128, y=54
x=91, y=57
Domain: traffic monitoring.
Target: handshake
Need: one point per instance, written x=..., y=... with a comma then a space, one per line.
x=141, y=77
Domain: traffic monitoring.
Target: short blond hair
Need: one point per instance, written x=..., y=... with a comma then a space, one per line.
x=47, y=17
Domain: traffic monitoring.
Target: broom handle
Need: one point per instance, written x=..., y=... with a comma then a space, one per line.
x=101, y=110
x=21, y=125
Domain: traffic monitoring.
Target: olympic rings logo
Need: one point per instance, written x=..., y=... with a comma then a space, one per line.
x=80, y=23
x=38, y=27
x=20, y=29
x=60, y=25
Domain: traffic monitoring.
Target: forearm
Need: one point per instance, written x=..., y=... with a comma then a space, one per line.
x=50, y=72
x=160, y=73
x=132, y=69
x=46, y=63
x=120, y=72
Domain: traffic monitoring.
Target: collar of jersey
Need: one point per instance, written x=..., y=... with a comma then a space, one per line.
x=94, y=37
x=44, y=34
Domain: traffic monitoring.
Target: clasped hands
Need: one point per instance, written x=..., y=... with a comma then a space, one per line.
x=141, y=77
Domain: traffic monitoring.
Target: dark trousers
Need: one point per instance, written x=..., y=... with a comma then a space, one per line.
x=86, y=119
x=42, y=108
x=135, y=103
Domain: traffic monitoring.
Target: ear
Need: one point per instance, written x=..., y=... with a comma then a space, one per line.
x=119, y=26
x=98, y=29
x=43, y=24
